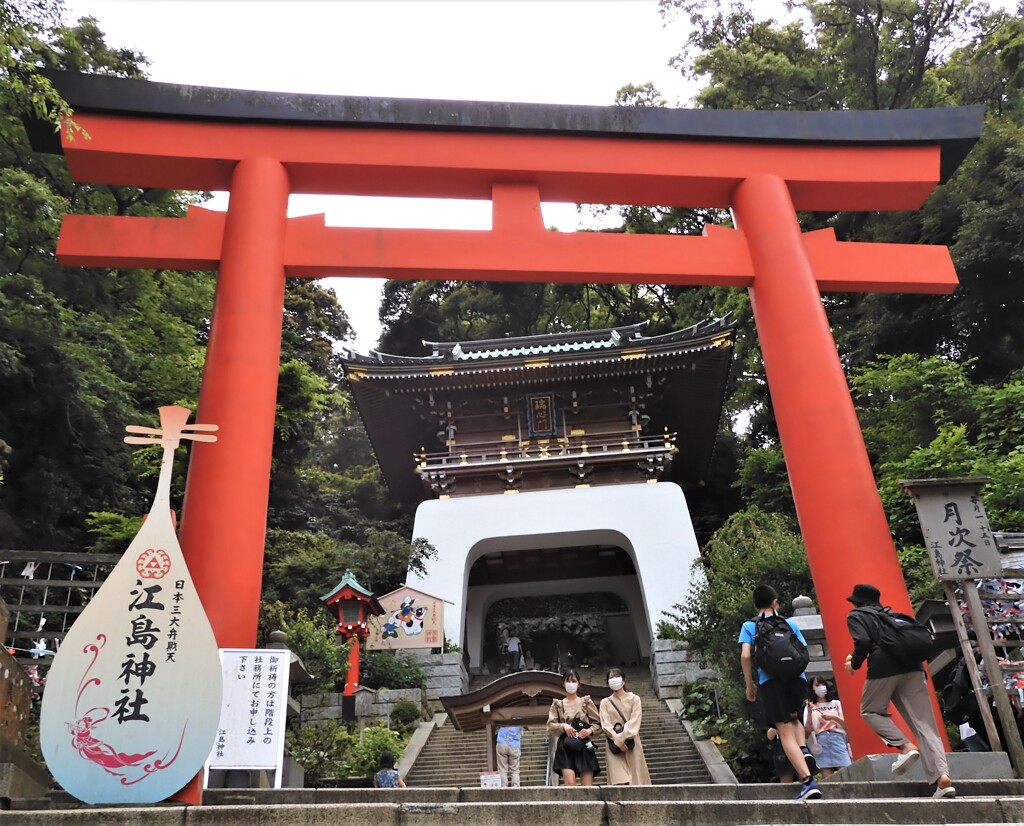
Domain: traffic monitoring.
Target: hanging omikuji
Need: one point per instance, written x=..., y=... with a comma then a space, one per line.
x=119, y=723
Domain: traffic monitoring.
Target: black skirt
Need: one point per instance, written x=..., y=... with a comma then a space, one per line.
x=575, y=759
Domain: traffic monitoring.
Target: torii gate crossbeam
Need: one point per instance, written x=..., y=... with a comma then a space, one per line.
x=764, y=166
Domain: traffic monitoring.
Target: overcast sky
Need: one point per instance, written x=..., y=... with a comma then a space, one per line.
x=535, y=51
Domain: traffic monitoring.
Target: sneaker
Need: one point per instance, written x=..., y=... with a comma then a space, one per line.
x=812, y=764
x=941, y=793
x=902, y=763
x=809, y=790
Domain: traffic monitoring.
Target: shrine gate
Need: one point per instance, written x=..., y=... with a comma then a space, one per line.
x=764, y=166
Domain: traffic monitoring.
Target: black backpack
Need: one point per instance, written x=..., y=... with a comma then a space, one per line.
x=777, y=649
x=903, y=638
x=957, y=699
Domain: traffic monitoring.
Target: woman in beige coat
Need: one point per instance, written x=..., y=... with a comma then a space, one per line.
x=621, y=714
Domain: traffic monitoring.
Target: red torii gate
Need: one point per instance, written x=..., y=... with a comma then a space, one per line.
x=764, y=166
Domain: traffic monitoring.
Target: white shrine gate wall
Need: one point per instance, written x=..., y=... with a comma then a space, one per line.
x=651, y=522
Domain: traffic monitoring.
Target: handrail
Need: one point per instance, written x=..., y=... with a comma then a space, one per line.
x=552, y=746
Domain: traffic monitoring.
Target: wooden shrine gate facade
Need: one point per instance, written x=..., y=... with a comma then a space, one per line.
x=764, y=166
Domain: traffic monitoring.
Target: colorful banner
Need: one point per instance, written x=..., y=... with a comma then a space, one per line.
x=411, y=619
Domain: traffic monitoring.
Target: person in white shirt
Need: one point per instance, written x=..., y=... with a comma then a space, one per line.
x=514, y=651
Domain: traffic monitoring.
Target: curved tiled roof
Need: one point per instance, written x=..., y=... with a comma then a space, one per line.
x=696, y=360
x=627, y=337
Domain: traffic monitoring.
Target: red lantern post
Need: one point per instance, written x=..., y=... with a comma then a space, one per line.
x=353, y=605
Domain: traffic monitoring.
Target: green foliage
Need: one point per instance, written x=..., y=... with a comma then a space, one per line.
x=405, y=714
x=322, y=749
x=314, y=640
x=112, y=533
x=387, y=669
x=668, y=629
x=300, y=567
x=740, y=741
x=751, y=548
x=365, y=755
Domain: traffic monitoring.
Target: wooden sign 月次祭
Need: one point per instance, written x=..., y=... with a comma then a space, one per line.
x=119, y=721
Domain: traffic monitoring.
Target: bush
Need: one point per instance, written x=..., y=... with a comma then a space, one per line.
x=668, y=629
x=315, y=641
x=385, y=669
x=365, y=755
x=405, y=714
x=322, y=749
x=743, y=746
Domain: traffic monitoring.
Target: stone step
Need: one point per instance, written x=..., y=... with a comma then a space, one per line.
x=893, y=802
x=455, y=758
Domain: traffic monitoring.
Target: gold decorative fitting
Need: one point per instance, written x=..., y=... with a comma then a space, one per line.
x=449, y=443
x=633, y=354
x=441, y=370
x=511, y=491
x=532, y=363
x=508, y=437
x=583, y=486
x=578, y=431
x=356, y=375
x=723, y=340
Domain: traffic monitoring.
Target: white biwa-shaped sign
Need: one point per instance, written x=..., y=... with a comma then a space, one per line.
x=133, y=697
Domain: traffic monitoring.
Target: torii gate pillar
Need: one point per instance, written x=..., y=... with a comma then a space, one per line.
x=840, y=512
x=239, y=393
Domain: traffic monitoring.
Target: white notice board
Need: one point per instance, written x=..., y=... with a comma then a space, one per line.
x=252, y=716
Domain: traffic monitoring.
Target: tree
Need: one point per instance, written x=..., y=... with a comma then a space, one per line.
x=82, y=353
x=24, y=26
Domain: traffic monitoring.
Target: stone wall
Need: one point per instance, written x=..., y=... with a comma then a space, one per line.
x=370, y=705
x=673, y=665
x=446, y=675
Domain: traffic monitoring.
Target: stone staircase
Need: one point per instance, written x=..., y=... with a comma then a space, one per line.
x=454, y=758
x=845, y=804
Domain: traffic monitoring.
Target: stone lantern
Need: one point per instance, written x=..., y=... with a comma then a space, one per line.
x=353, y=605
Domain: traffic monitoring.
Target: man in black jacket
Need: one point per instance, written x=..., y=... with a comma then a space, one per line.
x=904, y=685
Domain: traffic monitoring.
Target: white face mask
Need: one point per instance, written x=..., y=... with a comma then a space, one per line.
x=615, y=683
x=821, y=690
x=570, y=688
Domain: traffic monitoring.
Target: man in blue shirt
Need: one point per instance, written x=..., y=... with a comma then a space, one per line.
x=508, y=749
x=782, y=701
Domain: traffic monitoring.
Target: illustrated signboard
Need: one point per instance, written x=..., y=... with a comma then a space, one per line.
x=118, y=723
x=411, y=619
x=955, y=527
x=253, y=710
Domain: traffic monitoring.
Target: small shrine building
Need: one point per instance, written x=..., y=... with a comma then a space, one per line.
x=551, y=465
